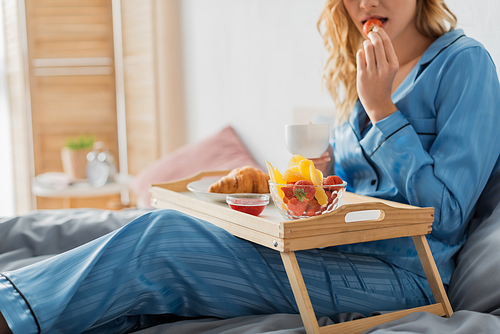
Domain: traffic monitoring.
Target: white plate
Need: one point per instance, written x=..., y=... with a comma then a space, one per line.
x=200, y=188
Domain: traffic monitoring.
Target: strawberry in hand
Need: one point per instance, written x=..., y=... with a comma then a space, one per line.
x=370, y=24
x=376, y=65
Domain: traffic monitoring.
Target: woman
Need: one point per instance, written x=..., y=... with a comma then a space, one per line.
x=423, y=92
x=424, y=125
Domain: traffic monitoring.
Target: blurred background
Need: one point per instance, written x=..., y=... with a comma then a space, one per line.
x=149, y=76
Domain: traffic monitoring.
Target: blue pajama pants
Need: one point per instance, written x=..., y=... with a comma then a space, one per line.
x=166, y=262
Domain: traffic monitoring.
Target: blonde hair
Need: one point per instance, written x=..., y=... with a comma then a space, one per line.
x=342, y=40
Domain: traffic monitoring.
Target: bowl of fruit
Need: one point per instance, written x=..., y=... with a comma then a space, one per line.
x=302, y=191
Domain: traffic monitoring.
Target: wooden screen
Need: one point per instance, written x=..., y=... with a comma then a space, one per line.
x=70, y=74
x=154, y=96
x=72, y=80
x=140, y=83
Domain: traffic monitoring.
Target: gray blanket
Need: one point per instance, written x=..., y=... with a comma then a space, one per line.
x=463, y=322
x=473, y=292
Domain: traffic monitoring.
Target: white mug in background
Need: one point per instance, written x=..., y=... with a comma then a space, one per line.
x=307, y=140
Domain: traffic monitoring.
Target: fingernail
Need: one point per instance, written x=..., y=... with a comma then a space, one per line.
x=376, y=28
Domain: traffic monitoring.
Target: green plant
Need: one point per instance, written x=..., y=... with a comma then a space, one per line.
x=80, y=143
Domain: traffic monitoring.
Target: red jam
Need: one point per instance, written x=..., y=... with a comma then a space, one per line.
x=252, y=204
x=250, y=209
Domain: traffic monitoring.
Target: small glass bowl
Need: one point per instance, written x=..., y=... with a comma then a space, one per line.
x=252, y=204
x=334, y=194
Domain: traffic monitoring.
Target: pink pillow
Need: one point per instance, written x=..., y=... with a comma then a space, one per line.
x=223, y=150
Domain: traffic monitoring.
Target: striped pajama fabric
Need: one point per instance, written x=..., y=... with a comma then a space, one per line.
x=166, y=262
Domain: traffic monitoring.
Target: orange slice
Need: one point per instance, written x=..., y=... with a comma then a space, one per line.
x=294, y=161
x=305, y=167
x=276, y=177
x=316, y=180
x=270, y=171
x=292, y=175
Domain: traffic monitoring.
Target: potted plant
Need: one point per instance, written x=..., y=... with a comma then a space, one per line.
x=74, y=156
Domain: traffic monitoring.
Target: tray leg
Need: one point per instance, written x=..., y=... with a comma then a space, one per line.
x=432, y=274
x=300, y=292
x=441, y=308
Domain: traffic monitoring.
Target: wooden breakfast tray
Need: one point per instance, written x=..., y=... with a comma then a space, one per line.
x=270, y=229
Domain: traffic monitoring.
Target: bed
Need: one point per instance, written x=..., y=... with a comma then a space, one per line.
x=473, y=290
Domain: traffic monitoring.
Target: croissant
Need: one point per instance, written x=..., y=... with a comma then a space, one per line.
x=242, y=180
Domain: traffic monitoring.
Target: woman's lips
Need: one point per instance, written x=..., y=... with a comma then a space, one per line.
x=381, y=19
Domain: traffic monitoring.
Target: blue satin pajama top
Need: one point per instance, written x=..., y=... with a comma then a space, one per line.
x=438, y=150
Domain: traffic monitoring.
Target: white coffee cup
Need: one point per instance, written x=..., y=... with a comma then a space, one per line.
x=307, y=140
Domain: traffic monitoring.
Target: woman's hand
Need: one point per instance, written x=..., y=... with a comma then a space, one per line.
x=377, y=67
x=325, y=162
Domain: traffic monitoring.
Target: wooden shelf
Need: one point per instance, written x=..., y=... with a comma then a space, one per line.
x=81, y=195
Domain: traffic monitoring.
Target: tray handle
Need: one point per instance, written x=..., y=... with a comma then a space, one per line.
x=181, y=184
x=388, y=213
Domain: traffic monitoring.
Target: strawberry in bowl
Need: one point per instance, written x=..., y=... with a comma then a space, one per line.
x=302, y=192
